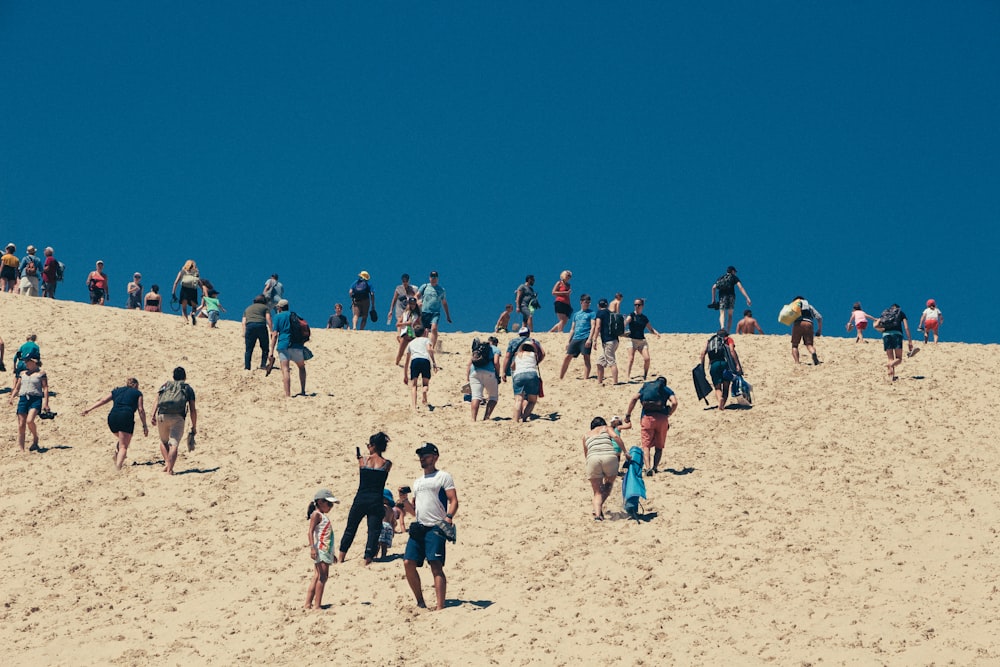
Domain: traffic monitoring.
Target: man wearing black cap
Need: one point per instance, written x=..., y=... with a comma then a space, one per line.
x=433, y=505
x=726, y=285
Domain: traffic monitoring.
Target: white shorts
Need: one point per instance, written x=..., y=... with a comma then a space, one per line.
x=482, y=381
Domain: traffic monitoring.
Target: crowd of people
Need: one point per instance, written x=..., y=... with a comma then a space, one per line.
x=270, y=325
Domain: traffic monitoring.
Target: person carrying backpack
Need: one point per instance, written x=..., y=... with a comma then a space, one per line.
x=726, y=286
x=289, y=347
x=658, y=402
x=893, y=324
x=721, y=352
x=610, y=325
x=31, y=271
x=362, y=297
x=173, y=400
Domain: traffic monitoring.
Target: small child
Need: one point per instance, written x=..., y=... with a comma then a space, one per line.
x=320, y=545
x=503, y=322
x=931, y=320
x=210, y=306
x=749, y=324
x=617, y=425
x=388, y=522
x=419, y=363
x=859, y=320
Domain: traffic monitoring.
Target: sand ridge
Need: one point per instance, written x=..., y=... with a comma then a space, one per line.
x=842, y=520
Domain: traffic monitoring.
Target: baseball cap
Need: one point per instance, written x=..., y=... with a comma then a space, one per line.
x=930, y=302
x=364, y=275
x=434, y=274
x=32, y=355
x=283, y=303
x=523, y=331
x=428, y=448
x=325, y=494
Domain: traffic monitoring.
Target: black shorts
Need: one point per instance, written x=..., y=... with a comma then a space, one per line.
x=8, y=272
x=121, y=421
x=420, y=367
x=578, y=347
x=563, y=309
x=189, y=294
x=96, y=295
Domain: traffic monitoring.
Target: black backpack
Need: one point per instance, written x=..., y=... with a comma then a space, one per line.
x=653, y=397
x=482, y=353
x=616, y=325
x=299, y=331
x=892, y=319
x=716, y=348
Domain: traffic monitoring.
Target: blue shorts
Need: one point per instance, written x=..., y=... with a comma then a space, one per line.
x=213, y=316
x=578, y=346
x=295, y=355
x=429, y=319
x=27, y=403
x=526, y=384
x=431, y=548
x=716, y=370
x=420, y=367
x=892, y=340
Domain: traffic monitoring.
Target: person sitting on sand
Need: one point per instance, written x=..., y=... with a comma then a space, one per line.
x=749, y=324
x=126, y=401
x=503, y=322
x=152, y=300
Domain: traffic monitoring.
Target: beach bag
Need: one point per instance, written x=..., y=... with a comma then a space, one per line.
x=716, y=348
x=740, y=391
x=892, y=318
x=190, y=280
x=299, y=331
x=361, y=290
x=173, y=398
x=790, y=313
x=616, y=325
x=482, y=353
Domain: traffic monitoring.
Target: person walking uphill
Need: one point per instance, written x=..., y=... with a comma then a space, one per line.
x=289, y=350
x=362, y=297
x=256, y=327
x=434, y=505
x=31, y=270
x=431, y=297
x=373, y=472
x=658, y=403
x=172, y=403
x=806, y=325
x=726, y=286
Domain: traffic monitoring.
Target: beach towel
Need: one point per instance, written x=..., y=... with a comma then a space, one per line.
x=633, y=487
x=702, y=387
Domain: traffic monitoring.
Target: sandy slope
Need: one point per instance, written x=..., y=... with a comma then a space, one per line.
x=840, y=521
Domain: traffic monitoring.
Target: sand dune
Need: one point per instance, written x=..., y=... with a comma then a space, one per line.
x=842, y=520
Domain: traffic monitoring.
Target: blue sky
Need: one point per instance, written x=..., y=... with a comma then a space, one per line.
x=844, y=152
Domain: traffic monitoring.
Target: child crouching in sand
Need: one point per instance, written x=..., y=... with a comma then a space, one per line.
x=320, y=545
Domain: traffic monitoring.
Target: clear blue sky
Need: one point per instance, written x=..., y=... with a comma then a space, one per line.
x=840, y=150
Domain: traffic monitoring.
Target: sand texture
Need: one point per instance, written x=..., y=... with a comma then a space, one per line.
x=842, y=520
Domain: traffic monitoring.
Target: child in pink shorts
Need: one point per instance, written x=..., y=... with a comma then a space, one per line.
x=859, y=320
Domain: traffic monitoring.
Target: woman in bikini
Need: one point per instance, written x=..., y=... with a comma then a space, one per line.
x=152, y=301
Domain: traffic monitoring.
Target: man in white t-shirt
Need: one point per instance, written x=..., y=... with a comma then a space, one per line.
x=434, y=505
